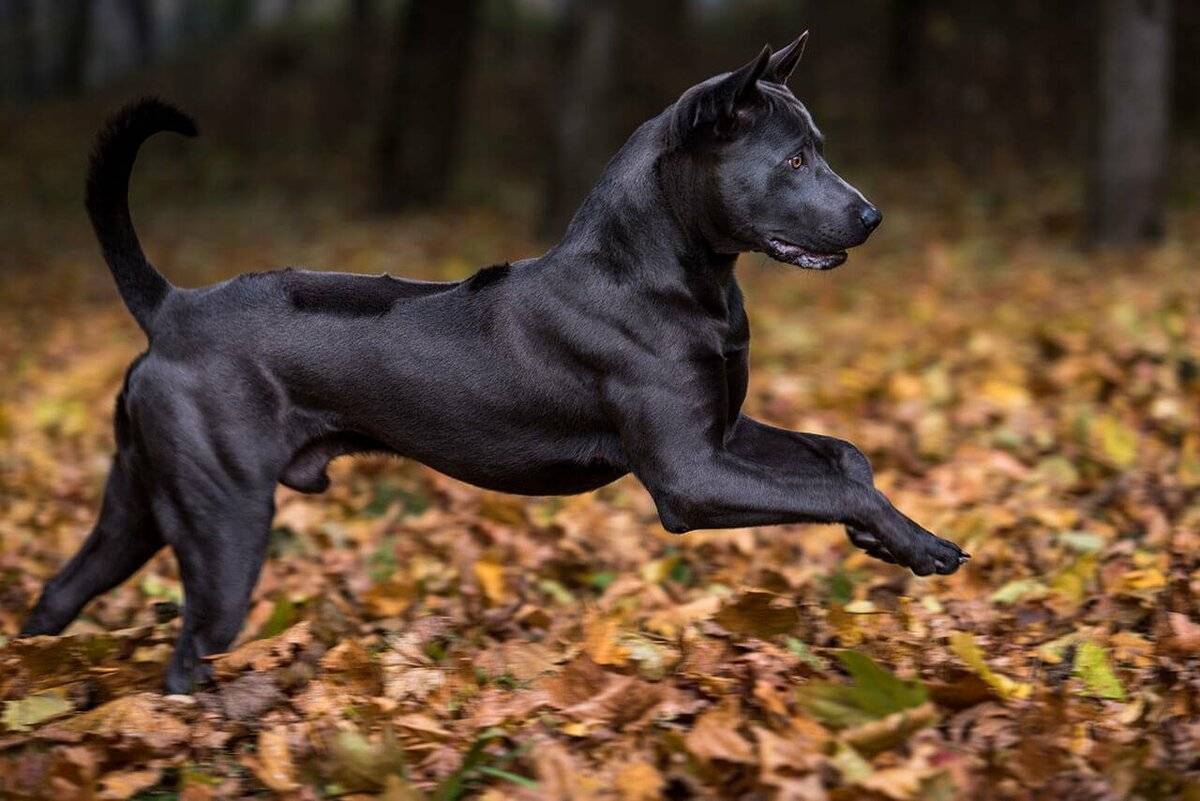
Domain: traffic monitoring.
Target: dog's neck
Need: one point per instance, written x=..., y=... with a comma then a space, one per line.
x=630, y=223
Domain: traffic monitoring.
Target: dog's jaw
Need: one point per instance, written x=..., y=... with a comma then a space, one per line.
x=791, y=253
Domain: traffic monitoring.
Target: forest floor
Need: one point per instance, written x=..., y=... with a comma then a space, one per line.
x=418, y=638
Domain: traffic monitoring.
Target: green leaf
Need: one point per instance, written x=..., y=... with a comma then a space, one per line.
x=1093, y=667
x=840, y=587
x=850, y=763
x=806, y=654
x=1019, y=589
x=508, y=776
x=1082, y=541
x=283, y=615
x=25, y=713
x=874, y=694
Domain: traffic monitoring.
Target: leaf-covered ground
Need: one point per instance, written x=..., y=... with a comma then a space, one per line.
x=418, y=638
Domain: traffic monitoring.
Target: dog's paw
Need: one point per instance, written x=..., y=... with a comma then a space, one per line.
x=921, y=552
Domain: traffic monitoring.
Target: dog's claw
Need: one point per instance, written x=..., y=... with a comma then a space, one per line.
x=925, y=554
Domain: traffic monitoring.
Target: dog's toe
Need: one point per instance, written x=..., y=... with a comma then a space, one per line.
x=942, y=556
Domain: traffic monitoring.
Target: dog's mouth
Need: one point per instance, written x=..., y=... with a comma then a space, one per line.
x=791, y=253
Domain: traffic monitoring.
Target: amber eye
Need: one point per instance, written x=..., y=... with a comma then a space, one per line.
x=796, y=161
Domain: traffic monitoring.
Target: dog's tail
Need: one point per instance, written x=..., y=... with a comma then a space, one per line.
x=142, y=287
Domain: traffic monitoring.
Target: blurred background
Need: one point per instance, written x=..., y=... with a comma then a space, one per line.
x=1074, y=120
x=1017, y=350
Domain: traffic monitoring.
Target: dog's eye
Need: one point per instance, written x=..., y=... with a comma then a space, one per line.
x=796, y=161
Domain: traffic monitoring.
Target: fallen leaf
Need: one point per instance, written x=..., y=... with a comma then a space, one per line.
x=757, y=614
x=601, y=641
x=715, y=736
x=491, y=579
x=886, y=733
x=639, y=781
x=874, y=693
x=1092, y=666
x=963, y=644
x=272, y=763
x=122, y=784
x=25, y=713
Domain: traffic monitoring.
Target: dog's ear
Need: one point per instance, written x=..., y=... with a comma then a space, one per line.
x=783, y=63
x=717, y=107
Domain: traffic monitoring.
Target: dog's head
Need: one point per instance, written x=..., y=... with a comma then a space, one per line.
x=751, y=151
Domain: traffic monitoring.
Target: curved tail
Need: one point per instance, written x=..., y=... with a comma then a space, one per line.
x=142, y=287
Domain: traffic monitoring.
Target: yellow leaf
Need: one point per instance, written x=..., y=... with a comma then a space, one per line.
x=963, y=644
x=491, y=579
x=600, y=641
x=25, y=713
x=1072, y=581
x=1005, y=394
x=1117, y=441
x=639, y=781
x=1139, y=581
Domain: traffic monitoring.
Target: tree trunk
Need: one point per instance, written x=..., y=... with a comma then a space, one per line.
x=141, y=17
x=348, y=89
x=1130, y=148
x=22, y=62
x=415, y=147
x=581, y=95
x=76, y=43
x=618, y=63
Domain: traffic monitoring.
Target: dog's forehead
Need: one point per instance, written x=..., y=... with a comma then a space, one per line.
x=786, y=109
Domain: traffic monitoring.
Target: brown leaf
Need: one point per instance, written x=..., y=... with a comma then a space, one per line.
x=266, y=654
x=624, y=701
x=577, y=682
x=639, y=781
x=889, y=732
x=272, y=763
x=1182, y=635
x=122, y=784
x=140, y=717
x=757, y=614
x=248, y=697
x=715, y=736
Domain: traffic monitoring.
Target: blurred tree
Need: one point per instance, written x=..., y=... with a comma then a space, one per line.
x=620, y=62
x=417, y=137
x=1130, y=148
x=581, y=92
x=349, y=94
x=141, y=17
x=21, y=62
x=77, y=29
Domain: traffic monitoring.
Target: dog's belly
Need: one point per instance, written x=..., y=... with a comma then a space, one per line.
x=503, y=470
x=563, y=478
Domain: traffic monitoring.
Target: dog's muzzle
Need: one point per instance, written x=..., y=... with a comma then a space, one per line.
x=791, y=253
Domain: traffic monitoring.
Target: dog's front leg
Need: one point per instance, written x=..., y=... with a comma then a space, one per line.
x=701, y=478
x=806, y=454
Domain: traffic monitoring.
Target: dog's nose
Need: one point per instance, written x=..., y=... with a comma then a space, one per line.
x=870, y=217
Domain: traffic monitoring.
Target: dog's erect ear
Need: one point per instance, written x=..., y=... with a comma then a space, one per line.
x=715, y=107
x=741, y=85
x=784, y=62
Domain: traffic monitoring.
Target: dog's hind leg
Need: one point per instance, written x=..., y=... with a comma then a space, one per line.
x=123, y=539
x=220, y=540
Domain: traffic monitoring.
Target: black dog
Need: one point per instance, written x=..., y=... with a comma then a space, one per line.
x=623, y=349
